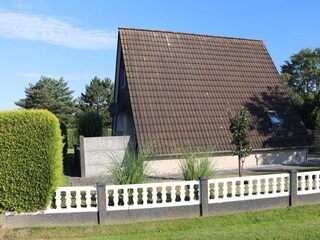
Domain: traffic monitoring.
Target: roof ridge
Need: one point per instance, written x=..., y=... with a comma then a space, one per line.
x=186, y=33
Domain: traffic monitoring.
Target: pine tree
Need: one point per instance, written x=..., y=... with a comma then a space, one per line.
x=98, y=97
x=51, y=94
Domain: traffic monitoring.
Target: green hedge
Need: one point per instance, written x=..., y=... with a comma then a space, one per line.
x=30, y=159
x=90, y=124
x=72, y=137
x=107, y=132
x=63, y=128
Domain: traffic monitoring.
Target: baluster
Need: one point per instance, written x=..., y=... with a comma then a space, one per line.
x=154, y=195
x=281, y=184
x=216, y=190
x=233, y=189
x=310, y=182
x=145, y=195
x=58, y=199
x=274, y=185
x=267, y=186
x=317, y=181
x=182, y=192
x=164, y=194
x=258, y=187
x=177, y=191
x=250, y=187
x=135, y=196
x=241, y=188
x=303, y=183
x=191, y=193
x=225, y=189
x=88, y=198
x=125, y=196
x=78, y=199
x=170, y=190
x=115, y=197
x=107, y=196
x=68, y=199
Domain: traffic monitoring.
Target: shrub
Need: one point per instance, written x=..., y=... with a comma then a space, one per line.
x=30, y=159
x=133, y=169
x=72, y=137
x=195, y=165
x=107, y=131
x=90, y=124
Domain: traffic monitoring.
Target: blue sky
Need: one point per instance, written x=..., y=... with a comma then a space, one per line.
x=76, y=39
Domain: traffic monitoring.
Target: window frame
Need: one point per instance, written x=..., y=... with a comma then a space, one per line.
x=274, y=118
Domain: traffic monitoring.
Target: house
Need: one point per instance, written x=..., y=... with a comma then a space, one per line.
x=174, y=90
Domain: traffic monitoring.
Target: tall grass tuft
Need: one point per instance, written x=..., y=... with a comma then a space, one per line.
x=195, y=165
x=133, y=169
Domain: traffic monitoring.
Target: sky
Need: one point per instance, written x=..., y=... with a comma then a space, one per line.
x=77, y=39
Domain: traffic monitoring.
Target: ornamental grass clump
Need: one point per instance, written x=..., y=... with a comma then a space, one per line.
x=195, y=165
x=132, y=170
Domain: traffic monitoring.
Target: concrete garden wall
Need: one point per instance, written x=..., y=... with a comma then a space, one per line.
x=97, y=153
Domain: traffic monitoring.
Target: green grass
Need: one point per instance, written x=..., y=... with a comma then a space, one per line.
x=291, y=223
x=66, y=161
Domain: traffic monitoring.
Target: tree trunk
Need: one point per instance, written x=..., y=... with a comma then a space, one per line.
x=239, y=165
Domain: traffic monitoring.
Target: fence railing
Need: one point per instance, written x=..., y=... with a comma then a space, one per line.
x=183, y=193
x=308, y=182
x=246, y=188
x=152, y=195
x=73, y=199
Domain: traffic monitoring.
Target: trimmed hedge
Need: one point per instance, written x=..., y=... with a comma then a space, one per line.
x=30, y=159
x=90, y=124
x=73, y=138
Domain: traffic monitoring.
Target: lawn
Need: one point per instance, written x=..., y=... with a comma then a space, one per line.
x=291, y=223
x=67, y=171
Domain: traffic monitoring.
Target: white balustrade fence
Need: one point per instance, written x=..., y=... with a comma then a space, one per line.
x=308, y=182
x=183, y=193
x=246, y=188
x=73, y=199
x=152, y=195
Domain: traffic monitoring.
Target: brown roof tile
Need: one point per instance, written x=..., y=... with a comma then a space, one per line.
x=183, y=86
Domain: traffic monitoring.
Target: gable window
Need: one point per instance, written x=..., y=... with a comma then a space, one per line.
x=274, y=118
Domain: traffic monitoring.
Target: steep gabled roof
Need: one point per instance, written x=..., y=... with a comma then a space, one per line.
x=183, y=86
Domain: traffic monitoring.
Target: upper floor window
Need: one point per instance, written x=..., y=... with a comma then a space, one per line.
x=274, y=118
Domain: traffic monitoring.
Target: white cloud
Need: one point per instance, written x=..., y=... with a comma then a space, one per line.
x=30, y=75
x=53, y=31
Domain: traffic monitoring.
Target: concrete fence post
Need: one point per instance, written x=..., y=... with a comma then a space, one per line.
x=102, y=203
x=293, y=187
x=82, y=160
x=204, y=197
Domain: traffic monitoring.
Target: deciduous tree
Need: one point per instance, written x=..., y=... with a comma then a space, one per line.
x=302, y=76
x=239, y=136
